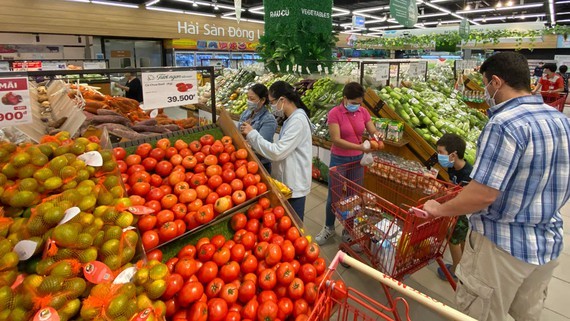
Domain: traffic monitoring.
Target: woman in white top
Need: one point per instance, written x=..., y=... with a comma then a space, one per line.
x=291, y=154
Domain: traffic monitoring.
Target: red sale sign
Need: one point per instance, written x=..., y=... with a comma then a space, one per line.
x=15, y=108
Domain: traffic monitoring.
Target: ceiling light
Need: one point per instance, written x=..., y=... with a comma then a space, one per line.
x=538, y=15
x=501, y=8
x=499, y=4
x=115, y=4
x=510, y=3
x=552, y=12
x=194, y=13
x=439, y=22
x=151, y=3
x=565, y=20
x=194, y=4
x=164, y=9
x=563, y=2
x=484, y=19
x=467, y=7
x=84, y=1
x=370, y=9
x=216, y=7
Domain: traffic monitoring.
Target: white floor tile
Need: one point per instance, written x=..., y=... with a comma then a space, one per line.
x=311, y=202
x=557, y=300
x=549, y=315
x=562, y=271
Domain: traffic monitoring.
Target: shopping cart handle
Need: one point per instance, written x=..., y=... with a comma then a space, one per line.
x=419, y=212
x=387, y=280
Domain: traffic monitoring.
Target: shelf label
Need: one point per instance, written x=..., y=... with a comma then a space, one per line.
x=92, y=158
x=54, y=65
x=94, y=65
x=69, y=214
x=319, y=68
x=413, y=69
x=25, y=249
x=97, y=272
x=15, y=108
x=169, y=88
x=382, y=72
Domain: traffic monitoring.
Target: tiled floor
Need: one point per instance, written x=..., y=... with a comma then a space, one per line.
x=426, y=280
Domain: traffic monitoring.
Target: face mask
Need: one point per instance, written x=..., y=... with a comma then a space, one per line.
x=444, y=160
x=276, y=111
x=488, y=99
x=352, y=107
x=251, y=105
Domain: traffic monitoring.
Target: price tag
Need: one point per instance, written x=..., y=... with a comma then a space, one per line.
x=413, y=69
x=54, y=65
x=140, y=210
x=143, y=315
x=326, y=70
x=94, y=65
x=15, y=108
x=46, y=314
x=154, y=113
x=125, y=276
x=69, y=214
x=169, y=88
x=97, y=272
x=128, y=228
x=421, y=69
x=308, y=70
x=93, y=158
x=287, y=68
x=278, y=68
x=295, y=68
x=25, y=249
x=382, y=72
x=319, y=68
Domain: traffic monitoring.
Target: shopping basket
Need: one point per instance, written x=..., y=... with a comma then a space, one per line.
x=556, y=100
x=338, y=304
x=373, y=205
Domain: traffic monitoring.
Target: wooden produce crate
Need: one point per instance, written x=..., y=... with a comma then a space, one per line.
x=416, y=148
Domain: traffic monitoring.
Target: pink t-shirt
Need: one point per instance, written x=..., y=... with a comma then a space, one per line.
x=351, y=125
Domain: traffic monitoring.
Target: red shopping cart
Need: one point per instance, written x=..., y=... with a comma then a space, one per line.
x=350, y=304
x=373, y=204
x=556, y=100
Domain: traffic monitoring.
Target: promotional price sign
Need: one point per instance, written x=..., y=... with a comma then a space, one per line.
x=169, y=88
x=382, y=72
x=14, y=102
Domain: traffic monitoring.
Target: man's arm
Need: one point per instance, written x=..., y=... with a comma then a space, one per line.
x=474, y=197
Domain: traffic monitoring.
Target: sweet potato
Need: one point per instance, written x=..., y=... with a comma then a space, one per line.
x=148, y=122
x=102, y=119
x=108, y=112
x=153, y=129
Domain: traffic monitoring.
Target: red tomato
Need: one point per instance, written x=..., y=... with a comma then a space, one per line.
x=293, y=234
x=140, y=188
x=143, y=150
x=265, y=234
x=218, y=241
x=311, y=292
x=267, y=296
x=238, y=221
x=168, y=231
x=180, y=210
x=249, y=180
x=340, y=290
x=273, y=255
x=267, y=311
x=260, y=250
x=158, y=154
x=164, y=216
x=229, y=244
x=267, y=279
x=170, y=151
x=246, y=291
x=251, y=192
x=171, y=263
x=296, y=289
x=195, y=146
x=252, y=226
x=301, y=244
x=214, y=287
x=150, y=239
x=187, y=251
x=174, y=284
x=133, y=159
x=249, y=264
x=217, y=148
x=155, y=180
x=308, y=273
x=146, y=223
x=238, y=196
x=312, y=252
x=279, y=211
x=222, y=256
x=206, y=252
x=237, y=252
x=285, y=274
x=224, y=189
x=248, y=240
x=207, y=139
x=284, y=224
x=171, y=307
x=296, y=265
x=122, y=166
x=212, y=198
x=207, y=272
x=166, y=189
x=217, y=309
x=215, y=181
x=288, y=251
x=224, y=158
x=277, y=239
x=255, y=211
x=205, y=214
x=281, y=290
x=154, y=255
x=300, y=307
x=320, y=265
x=210, y=160
x=264, y=202
x=229, y=293
x=188, y=196
x=261, y=188
x=233, y=316
x=163, y=168
x=186, y=267
x=285, y=308
x=190, y=292
x=230, y=271
x=149, y=163
x=155, y=194
x=269, y=220
x=249, y=311
x=236, y=185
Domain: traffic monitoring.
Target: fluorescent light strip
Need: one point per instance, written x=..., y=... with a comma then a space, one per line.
x=151, y=3
x=340, y=10
x=430, y=15
x=564, y=20
x=202, y=3
x=194, y=13
x=370, y=9
x=504, y=8
x=84, y=1
x=447, y=11
x=442, y=22
x=243, y=19
x=562, y=2
x=115, y=4
x=165, y=10
x=552, y=12
x=511, y=17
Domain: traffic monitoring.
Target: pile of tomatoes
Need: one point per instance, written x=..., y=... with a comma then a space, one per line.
x=187, y=184
x=268, y=271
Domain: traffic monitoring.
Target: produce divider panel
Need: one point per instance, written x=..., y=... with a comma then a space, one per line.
x=387, y=72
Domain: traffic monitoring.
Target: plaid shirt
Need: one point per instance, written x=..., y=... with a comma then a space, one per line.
x=524, y=152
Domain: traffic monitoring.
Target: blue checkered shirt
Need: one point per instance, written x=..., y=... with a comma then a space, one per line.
x=524, y=152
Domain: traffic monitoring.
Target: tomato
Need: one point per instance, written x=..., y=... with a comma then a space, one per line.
x=285, y=274
x=200, y=156
x=195, y=205
x=296, y=265
x=167, y=231
x=293, y=234
x=210, y=160
x=188, y=250
x=339, y=290
x=122, y=166
x=214, y=287
x=174, y=284
x=241, y=172
x=185, y=152
x=195, y=146
x=281, y=290
x=279, y=211
x=308, y=273
x=273, y=254
x=267, y=279
x=237, y=252
x=296, y=289
x=140, y=188
x=217, y=309
x=249, y=264
x=264, y=202
x=250, y=276
x=233, y=316
x=267, y=311
x=186, y=267
x=312, y=252
x=284, y=224
x=260, y=250
x=301, y=244
x=180, y=210
x=300, y=307
x=285, y=306
x=212, y=198
x=265, y=234
x=229, y=293
x=246, y=291
x=249, y=180
x=190, y=292
x=179, y=316
x=320, y=265
x=230, y=149
x=230, y=271
x=207, y=272
x=215, y=181
x=163, y=168
x=157, y=154
x=224, y=189
x=155, y=180
x=153, y=205
x=176, y=160
x=241, y=153
x=171, y=307
x=230, y=245
x=255, y=211
x=205, y=214
x=202, y=191
x=164, y=216
x=238, y=221
x=166, y=189
x=261, y=188
x=237, y=185
x=180, y=225
x=311, y=292
x=221, y=256
x=288, y=251
x=268, y=219
x=198, y=312
x=187, y=196
x=249, y=311
x=150, y=239
x=143, y=150
x=146, y=223
x=252, y=226
x=202, y=241
x=206, y=252
x=217, y=148
x=133, y=159
x=248, y=240
x=302, y=317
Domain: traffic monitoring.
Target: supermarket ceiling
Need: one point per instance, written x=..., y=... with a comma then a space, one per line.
x=432, y=13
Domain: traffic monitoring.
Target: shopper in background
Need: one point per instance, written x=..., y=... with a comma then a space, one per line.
x=259, y=117
x=538, y=70
x=347, y=123
x=562, y=71
x=550, y=82
x=291, y=154
x=133, y=88
x=451, y=150
x=521, y=179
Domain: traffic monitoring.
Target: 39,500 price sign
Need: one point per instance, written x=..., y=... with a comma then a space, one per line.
x=169, y=88
x=14, y=102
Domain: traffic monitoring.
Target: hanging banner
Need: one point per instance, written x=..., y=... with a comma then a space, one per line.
x=15, y=106
x=169, y=89
x=237, y=5
x=405, y=12
x=464, y=29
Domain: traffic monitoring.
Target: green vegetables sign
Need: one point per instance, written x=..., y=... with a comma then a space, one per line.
x=464, y=29
x=405, y=12
x=296, y=32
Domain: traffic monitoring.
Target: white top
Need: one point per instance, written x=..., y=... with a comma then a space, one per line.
x=291, y=155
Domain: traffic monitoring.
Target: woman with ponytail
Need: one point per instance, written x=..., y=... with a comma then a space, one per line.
x=291, y=153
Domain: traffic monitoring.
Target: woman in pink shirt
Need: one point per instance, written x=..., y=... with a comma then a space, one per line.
x=347, y=123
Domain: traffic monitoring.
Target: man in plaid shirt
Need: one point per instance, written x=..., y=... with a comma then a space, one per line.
x=521, y=179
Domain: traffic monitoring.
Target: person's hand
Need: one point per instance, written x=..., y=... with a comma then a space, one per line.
x=365, y=148
x=245, y=128
x=432, y=208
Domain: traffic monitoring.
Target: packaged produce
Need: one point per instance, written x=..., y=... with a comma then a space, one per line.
x=394, y=131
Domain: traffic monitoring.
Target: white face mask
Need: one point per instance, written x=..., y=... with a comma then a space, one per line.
x=276, y=111
x=490, y=100
x=252, y=105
